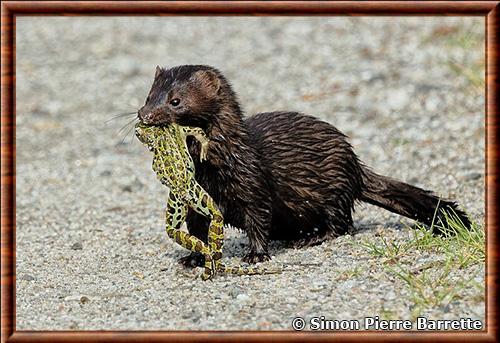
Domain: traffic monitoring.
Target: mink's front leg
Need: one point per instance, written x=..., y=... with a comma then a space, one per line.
x=193, y=260
x=257, y=226
x=258, y=248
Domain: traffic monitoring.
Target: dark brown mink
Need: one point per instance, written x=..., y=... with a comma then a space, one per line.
x=276, y=175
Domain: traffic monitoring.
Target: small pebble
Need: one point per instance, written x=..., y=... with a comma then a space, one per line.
x=242, y=297
x=473, y=176
x=77, y=246
x=84, y=300
x=27, y=277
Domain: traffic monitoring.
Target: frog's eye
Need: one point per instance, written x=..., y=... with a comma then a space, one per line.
x=175, y=102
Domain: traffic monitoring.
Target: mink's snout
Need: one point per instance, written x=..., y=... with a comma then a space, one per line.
x=145, y=116
x=155, y=116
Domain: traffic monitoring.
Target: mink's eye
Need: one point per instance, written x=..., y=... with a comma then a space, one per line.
x=175, y=102
x=147, y=99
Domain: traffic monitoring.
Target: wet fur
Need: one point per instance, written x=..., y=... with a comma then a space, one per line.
x=277, y=175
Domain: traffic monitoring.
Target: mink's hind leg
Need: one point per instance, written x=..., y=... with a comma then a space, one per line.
x=339, y=221
x=335, y=224
x=197, y=226
x=259, y=240
x=313, y=239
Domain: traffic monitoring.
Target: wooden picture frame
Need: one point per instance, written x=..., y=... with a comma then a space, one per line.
x=12, y=9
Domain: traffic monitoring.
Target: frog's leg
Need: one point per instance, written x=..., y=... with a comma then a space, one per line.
x=175, y=215
x=201, y=137
x=248, y=270
x=203, y=203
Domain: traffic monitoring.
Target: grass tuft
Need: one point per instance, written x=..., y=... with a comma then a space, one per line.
x=436, y=283
x=472, y=71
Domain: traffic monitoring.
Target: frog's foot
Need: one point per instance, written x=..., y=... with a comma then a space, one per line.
x=208, y=275
x=210, y=268
x=193, y=260
x=204, y=151
x=255, y=257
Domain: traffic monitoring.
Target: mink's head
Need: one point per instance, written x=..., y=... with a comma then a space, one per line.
x=189, y=95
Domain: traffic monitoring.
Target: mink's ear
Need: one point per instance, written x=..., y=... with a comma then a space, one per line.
x=158, y=71
x=208, y=80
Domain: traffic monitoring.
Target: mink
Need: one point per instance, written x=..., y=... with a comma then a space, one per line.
x=277, y=175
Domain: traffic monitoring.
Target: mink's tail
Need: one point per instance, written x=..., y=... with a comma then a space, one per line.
x=410, y=201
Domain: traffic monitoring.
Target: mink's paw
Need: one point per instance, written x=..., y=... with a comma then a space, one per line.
x=254, y=257
x=309, y=242
x=194, y=259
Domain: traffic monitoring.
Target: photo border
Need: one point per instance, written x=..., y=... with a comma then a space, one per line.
x=11, y=9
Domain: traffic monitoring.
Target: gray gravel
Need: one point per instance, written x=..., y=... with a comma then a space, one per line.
x=91, y=247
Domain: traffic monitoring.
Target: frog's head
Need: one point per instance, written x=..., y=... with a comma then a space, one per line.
x=148, y=135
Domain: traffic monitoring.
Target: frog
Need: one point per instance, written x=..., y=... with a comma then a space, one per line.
x=175, y=168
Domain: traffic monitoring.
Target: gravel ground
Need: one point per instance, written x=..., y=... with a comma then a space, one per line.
x=91, y=247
